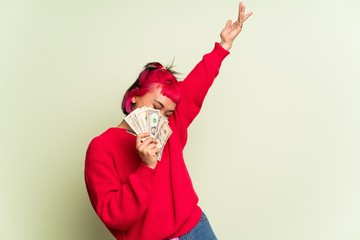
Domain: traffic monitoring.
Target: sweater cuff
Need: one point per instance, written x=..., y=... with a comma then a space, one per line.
x=222, y=52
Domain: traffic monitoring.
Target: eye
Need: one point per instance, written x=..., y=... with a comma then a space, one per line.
x=168, y=115
x=157, y=106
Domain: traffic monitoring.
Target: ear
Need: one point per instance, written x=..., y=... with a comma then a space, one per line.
x=134, y=99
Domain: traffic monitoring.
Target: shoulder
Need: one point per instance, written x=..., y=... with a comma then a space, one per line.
x=106, y=141
x=112, y=134
x=102, y=138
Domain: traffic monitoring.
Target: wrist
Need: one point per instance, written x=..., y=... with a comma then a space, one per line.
x=225, y=45
x=151, y=164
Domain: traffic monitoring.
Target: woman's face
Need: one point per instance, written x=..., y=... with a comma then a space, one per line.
x=154, y=99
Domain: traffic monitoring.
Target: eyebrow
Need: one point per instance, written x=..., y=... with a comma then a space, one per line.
x=162, y=105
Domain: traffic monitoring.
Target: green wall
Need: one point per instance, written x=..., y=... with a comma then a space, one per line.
x=274, y=153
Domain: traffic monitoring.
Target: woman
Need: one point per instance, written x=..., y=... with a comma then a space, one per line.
x=137, y=196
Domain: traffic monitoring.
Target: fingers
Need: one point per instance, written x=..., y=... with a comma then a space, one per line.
x=144, y=140
x=147, y=150
x=228, y=24
x=242, y=16
x=241, y=12
x=232, y=29
x=141, y=137
x=247, y=16
x=146, y=145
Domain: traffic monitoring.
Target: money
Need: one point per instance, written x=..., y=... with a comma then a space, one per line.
x=150, y=120
x=153, y=122
x=162, y=136
x=142, y=116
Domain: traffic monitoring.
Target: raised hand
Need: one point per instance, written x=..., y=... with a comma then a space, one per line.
x=232, y=29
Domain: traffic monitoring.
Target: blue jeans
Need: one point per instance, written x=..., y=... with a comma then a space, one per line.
x=202, y=231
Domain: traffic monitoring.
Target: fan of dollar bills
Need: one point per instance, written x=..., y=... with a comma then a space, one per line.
x=150, y=120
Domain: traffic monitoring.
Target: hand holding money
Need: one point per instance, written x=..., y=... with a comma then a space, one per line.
x=149, y=120
x=146, y=147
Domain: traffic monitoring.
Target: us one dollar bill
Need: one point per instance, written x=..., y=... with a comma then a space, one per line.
x=150, y=120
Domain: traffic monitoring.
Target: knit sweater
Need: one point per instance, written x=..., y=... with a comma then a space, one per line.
x=134, y=201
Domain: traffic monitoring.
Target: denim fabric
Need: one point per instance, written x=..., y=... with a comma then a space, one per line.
x=202, y=231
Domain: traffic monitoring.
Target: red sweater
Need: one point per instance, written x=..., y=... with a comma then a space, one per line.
x=134, y=201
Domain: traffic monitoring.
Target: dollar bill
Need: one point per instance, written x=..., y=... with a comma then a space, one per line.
x=162, y=136
x=142, y=118
x=136, y=121
x=150, y=120
x=162, y=120
x=129, y=120
x=153, y=121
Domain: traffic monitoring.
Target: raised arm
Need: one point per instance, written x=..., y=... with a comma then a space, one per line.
x=196, y=85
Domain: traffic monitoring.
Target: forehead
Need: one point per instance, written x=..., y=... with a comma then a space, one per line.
x=155, y=95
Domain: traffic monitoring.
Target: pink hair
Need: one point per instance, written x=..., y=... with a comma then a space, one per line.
x=153, y=75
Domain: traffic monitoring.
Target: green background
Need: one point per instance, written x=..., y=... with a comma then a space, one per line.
x=273, y=155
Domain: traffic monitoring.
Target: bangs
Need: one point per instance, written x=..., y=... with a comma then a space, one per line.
x=171, y=91
x=167, y=82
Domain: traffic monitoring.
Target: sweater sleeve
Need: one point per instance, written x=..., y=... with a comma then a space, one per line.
x=118, y=205
x=195, y=87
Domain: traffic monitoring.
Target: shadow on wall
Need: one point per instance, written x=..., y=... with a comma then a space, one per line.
x=90, y=225
x=76, y=218
x=93, y=228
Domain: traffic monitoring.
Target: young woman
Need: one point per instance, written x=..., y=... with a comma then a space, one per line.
x=137, y=196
